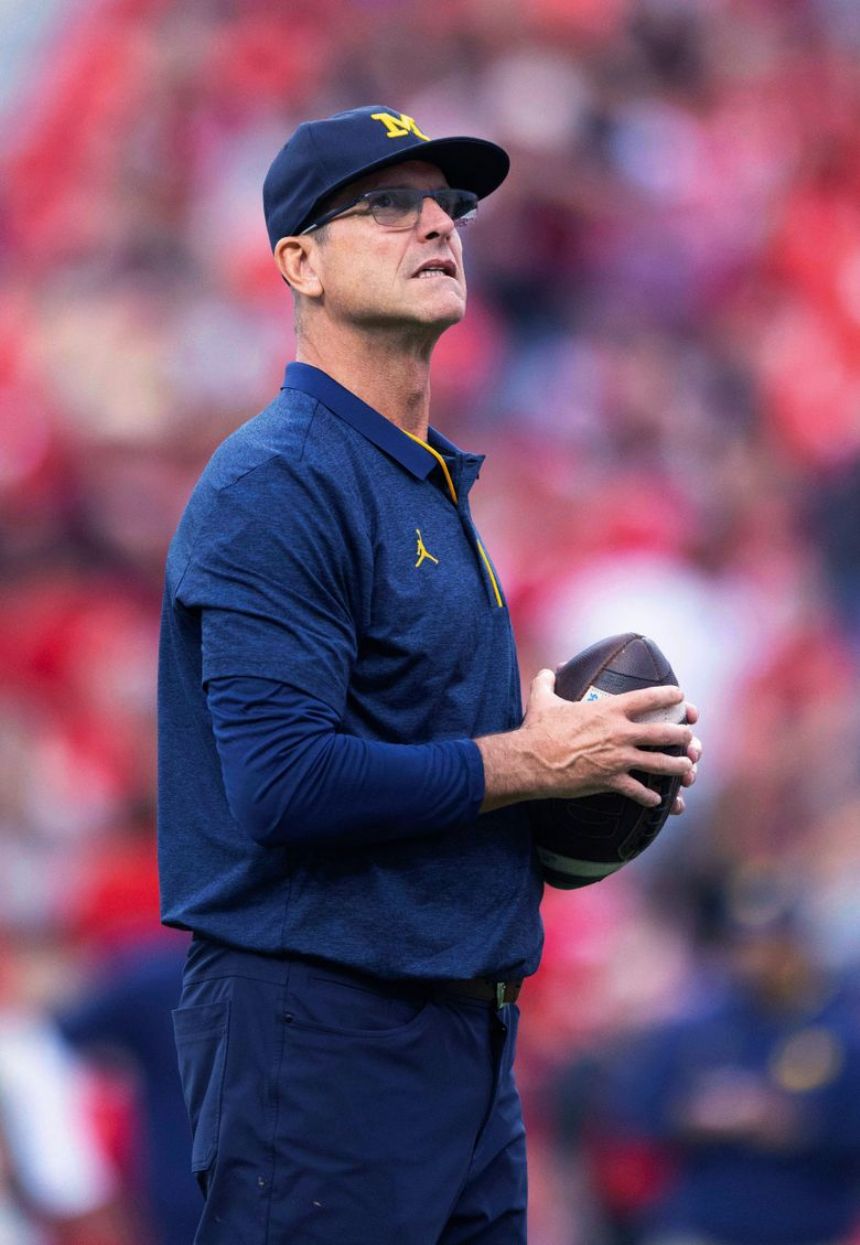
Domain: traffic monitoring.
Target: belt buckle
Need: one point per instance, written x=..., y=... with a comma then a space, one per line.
x=501, y=1002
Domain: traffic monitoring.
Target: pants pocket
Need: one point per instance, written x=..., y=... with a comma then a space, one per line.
x=201, y=1035
x=338, y=1001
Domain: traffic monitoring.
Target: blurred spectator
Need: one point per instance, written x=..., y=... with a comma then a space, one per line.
x=57, y=1186
x=738, y=1122
x=119, y=1019
x=124, y=1016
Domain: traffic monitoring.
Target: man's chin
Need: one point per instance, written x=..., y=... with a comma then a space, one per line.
x=445, y=315
x=432, y=319
x=448, y=322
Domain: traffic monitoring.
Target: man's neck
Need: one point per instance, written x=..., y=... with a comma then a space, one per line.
x=393, y=378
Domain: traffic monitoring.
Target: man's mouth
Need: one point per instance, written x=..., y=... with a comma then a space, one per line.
x=437, y=268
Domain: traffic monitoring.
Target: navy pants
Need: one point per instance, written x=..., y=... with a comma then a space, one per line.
x=328, y=1108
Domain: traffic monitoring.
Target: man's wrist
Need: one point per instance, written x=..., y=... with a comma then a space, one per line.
x=512, y=770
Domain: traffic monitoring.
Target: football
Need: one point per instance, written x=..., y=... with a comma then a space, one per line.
x=581, y=841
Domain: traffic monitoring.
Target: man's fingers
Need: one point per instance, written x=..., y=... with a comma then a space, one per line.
x=542, y=683
x=662, y=763
x=627, y=785
x=678, y=806
x=662, y=735
x=692, y=714
x=689, y=778
x=647, y=699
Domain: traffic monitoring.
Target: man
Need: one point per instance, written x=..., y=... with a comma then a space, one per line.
x=749, y=1102
x=344, y=765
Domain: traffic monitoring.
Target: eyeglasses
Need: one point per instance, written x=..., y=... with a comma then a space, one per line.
x=399, y=207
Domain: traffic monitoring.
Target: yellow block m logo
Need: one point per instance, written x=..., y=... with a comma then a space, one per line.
x=399, y=127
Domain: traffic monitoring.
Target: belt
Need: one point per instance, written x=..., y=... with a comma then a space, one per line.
x=498, y=992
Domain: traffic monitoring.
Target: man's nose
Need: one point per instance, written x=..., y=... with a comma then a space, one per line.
x=434, y=221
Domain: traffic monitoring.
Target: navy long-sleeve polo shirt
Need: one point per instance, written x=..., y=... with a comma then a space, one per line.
x=334, y=637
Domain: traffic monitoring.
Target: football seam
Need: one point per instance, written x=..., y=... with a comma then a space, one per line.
x=650, y=651
x=611, y=657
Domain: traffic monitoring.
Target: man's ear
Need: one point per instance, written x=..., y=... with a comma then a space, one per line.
x=296, y=259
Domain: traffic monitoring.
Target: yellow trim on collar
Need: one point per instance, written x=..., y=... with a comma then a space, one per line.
x=440, y=460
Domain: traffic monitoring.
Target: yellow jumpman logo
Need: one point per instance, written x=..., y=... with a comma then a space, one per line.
x=422, y=551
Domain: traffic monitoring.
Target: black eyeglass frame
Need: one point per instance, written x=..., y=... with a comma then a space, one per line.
x=468, y=215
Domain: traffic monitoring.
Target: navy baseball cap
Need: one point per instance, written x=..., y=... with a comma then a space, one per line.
x=324, y=155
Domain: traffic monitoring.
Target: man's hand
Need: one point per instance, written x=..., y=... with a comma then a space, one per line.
x=736, y=1105
x=567, y=749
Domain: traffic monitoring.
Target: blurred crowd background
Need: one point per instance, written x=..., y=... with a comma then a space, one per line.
x=661, y=360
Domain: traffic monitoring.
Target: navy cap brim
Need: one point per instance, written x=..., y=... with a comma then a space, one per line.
x=473, y=164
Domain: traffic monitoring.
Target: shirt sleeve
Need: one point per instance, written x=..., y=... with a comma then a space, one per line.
x=291, y=778
x=278, y=575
